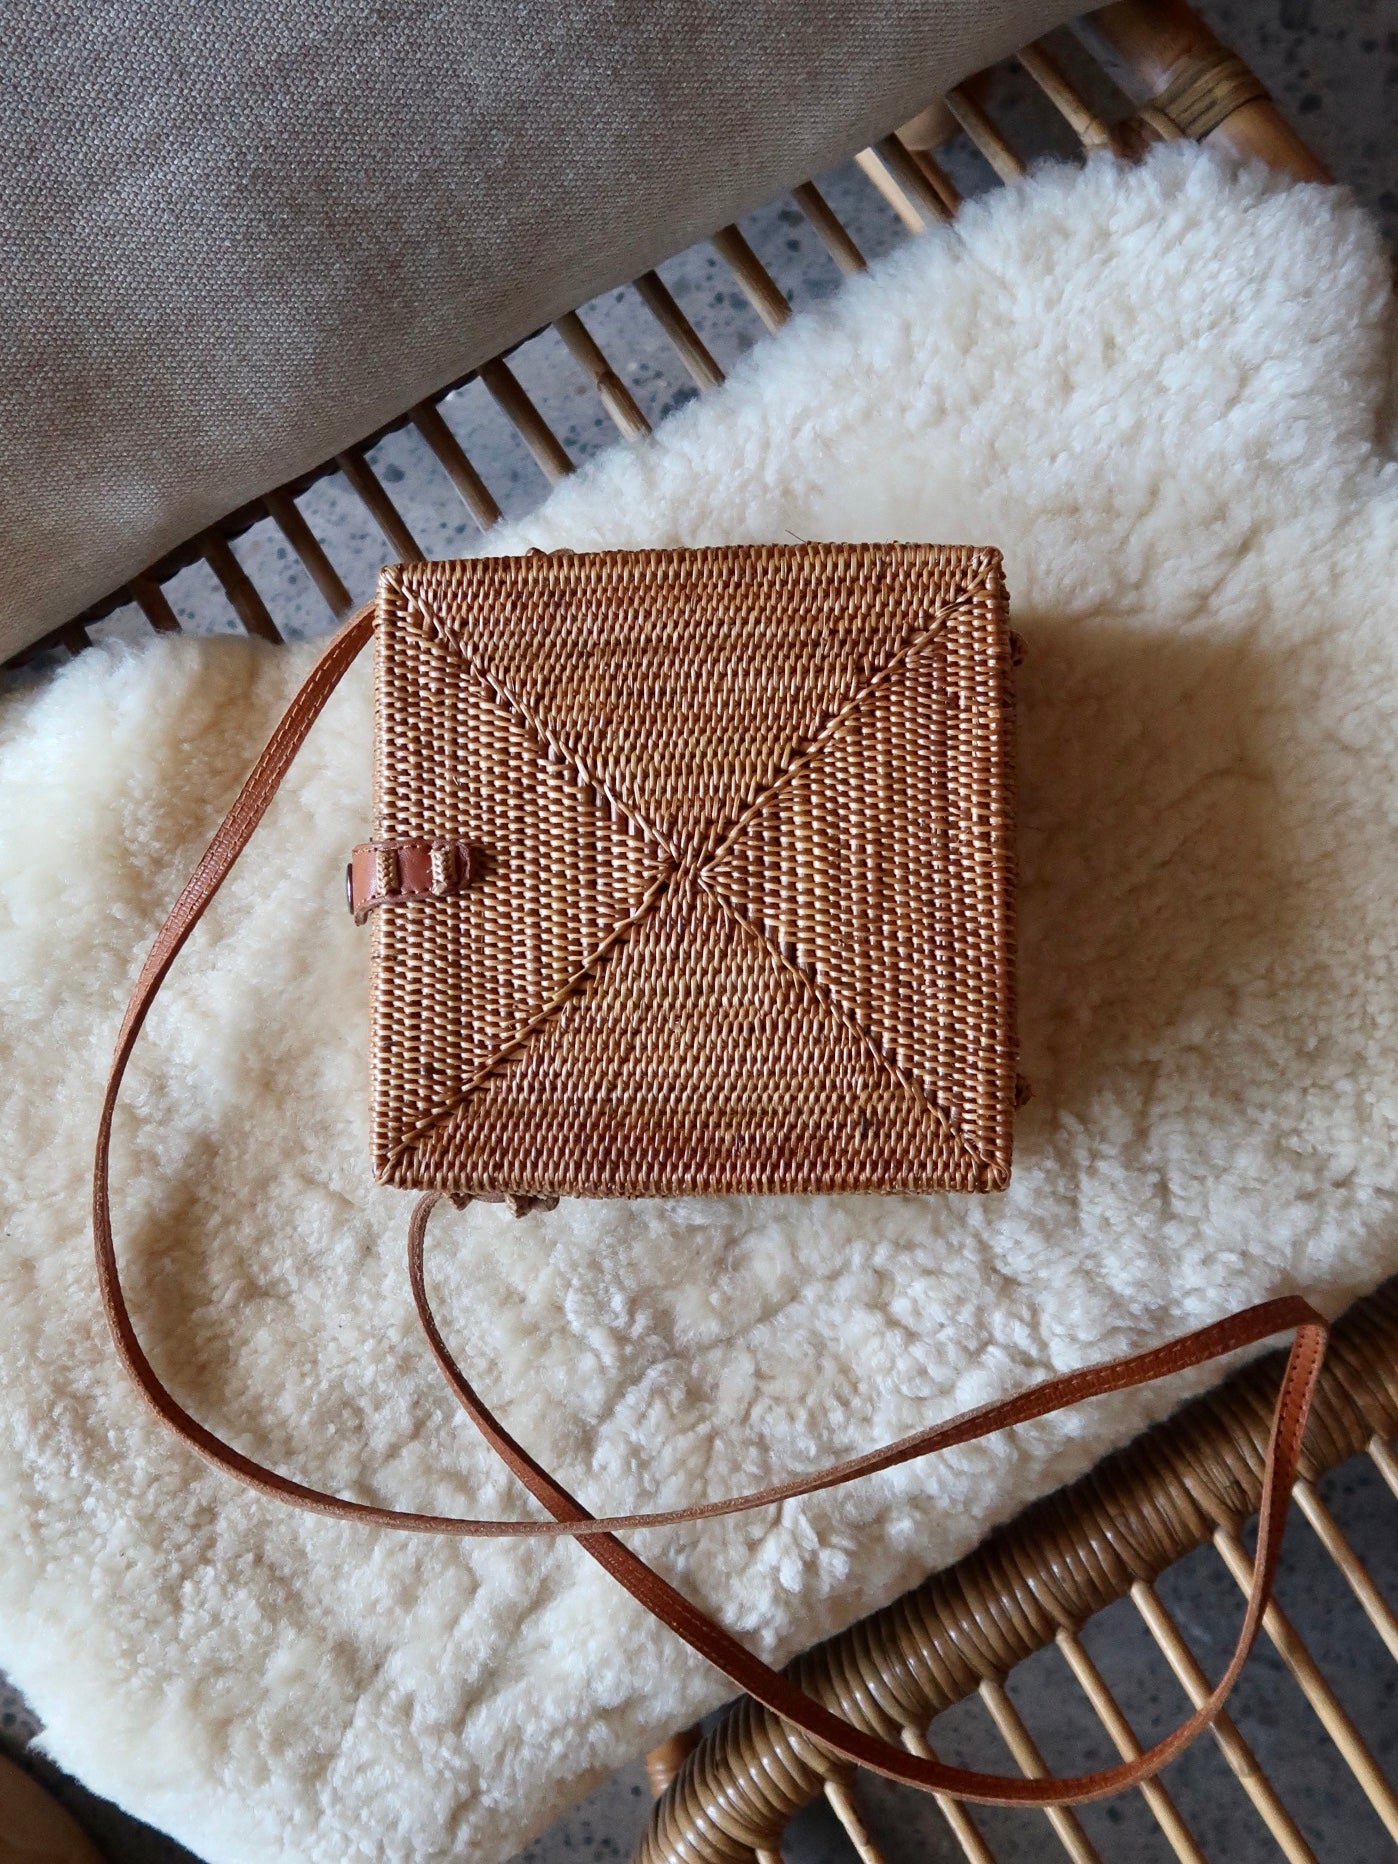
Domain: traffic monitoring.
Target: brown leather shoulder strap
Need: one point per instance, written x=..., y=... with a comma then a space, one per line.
x=779, y=1693
x=598, y=1535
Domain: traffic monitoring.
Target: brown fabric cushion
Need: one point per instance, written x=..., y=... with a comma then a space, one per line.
x=235, y=238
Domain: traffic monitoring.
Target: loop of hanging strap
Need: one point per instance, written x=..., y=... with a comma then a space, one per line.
x=598, y=1535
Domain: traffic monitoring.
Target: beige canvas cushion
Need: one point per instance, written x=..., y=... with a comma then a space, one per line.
x=235, y=238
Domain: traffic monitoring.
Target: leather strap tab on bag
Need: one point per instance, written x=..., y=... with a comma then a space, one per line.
x=597, y=1535
x=382, y=872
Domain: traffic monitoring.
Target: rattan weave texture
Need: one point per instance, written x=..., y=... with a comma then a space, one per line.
x=744, y=919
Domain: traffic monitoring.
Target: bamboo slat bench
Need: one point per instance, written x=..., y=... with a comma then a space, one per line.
x=1130, y=74
x=1190, y=1482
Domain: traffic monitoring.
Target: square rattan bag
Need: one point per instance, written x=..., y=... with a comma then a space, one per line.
x=693, y=872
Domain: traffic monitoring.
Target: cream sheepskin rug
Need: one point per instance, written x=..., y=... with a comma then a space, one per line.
x=1166, y=394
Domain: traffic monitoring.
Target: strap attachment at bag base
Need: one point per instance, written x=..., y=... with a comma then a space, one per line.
x=518, y=1203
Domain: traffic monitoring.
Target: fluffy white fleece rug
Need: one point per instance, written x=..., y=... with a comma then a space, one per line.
x=1165, y=394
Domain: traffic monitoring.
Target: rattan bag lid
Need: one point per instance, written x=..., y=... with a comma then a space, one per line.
x=729, y=902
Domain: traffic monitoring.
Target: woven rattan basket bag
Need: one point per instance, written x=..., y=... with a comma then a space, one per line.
x=693, y=873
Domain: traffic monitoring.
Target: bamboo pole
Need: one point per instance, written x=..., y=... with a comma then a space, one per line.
x=826, y=222
x=1065, y=1822
x=1332, y=1717
x=531, y=426
x=381, y=508
x=1328, y=1532
x=659, y=300
x=873, y=169
x=932, y=194
x=1109, y=1712
x=155, y=605
x=286, y=515
x=1092, y=131
x=754, y=280
x=964, y=1830
x=616, y=397
x=1235, y=1750
x=248, y=605
x=1384, y=1461
x=984, y=134
x=1165, y=56
x=430, y=422
x=841, y=1800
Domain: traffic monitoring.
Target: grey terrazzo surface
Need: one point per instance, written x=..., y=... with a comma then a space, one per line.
x=1334, y=68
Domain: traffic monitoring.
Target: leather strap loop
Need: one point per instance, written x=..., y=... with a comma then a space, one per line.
x=380, y=873
x=598, y=1535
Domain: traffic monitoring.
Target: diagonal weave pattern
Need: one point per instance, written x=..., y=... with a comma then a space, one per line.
x=745, y=918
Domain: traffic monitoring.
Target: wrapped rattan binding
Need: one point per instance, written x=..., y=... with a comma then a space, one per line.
x=743, y=910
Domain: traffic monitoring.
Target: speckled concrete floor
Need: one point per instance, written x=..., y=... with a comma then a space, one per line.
x=1333, y=65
